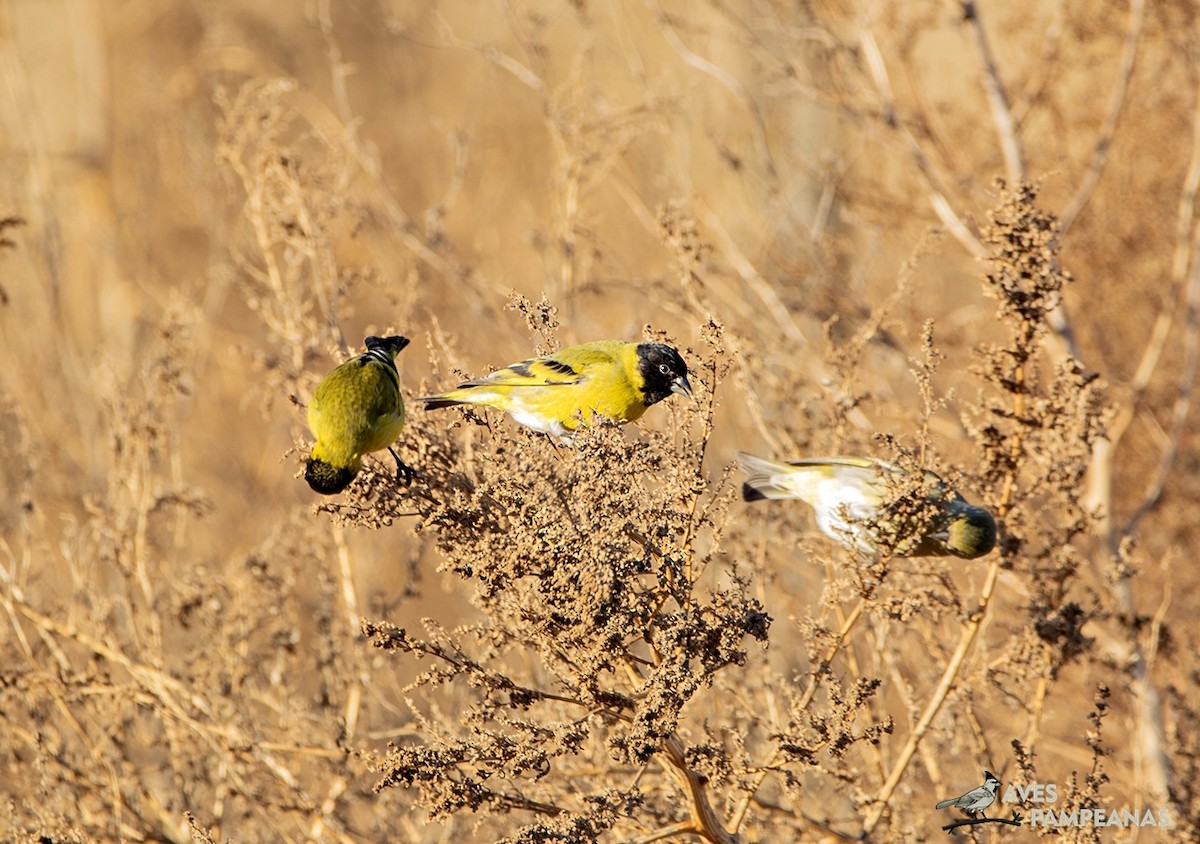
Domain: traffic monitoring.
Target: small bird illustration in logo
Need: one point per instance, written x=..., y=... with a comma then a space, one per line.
x=977, y=799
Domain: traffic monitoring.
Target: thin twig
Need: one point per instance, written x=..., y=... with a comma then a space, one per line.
x=839, y=640
x=739, y=813
x=725, y=78
x=947, y=683
x=1112, y=116
x=698, y=490
x=662, y=834
x=997, y=98
x=954, y=221
x=1014, y=821
x=1185, y=265
x=171, y=693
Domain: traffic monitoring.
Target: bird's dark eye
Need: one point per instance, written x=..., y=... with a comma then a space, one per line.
x=664, y=369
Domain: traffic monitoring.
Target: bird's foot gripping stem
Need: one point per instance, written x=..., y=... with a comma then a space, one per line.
x=404, y=472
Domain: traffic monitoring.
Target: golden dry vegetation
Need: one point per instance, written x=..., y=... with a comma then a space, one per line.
x=952, y=235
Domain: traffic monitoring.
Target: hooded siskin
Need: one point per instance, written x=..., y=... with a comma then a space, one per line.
x=847, y=494
x=355, y=410
x=610, y=378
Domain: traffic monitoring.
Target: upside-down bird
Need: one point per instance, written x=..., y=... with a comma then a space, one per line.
x=849, y=496
x=356, y=409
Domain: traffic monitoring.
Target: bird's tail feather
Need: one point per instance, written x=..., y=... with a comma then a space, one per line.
x=438, y=402
x=946, y=803
x=759, y=484
x=751, y=493
x=393, y=345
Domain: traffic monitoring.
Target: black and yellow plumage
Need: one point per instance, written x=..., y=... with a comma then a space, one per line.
x=849, y=496
x=610, y=378
x=356, y=409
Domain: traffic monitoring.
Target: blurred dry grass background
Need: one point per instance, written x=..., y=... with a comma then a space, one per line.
x=217, y=201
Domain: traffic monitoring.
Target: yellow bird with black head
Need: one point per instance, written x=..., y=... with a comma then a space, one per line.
x=614, y=379
x=356, y=409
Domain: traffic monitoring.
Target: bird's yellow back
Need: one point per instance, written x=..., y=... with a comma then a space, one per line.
x=357, y=409
x=550, y=393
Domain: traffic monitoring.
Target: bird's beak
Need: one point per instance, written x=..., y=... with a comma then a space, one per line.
x=680, y=385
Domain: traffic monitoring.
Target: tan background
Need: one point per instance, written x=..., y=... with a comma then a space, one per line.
x=220, y=200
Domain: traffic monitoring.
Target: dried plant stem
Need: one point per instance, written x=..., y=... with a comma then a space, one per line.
x=762, y=289
x=766, y=293
x=1015, y=444
x=287, y=322
x=724, y=78
x=1112, y=116
x=970, y=631
x=700, y=485
x=144, y=499
x=839, y=640
x=1038, y=707
x=347, y=131
x=346, y=579
x=153, y=679
x=996, y=96
x=325, y=818
x=326, y=821
x=848, y=623
x=171, y=693
x=13, y=601
x=1182, y=406
x=1101, y=472
x=951, y=218
x=1153, y=765
x=1151, y=759
x=739, y=814
x=681, y=828
x=705, y=822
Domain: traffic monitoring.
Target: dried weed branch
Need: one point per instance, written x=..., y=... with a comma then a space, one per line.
x=587, y=565
x=1035, y=442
